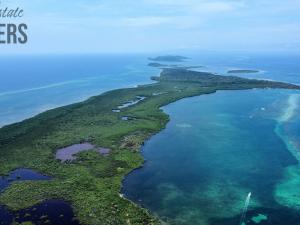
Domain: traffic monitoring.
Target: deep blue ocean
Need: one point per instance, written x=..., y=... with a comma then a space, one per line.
x=227, y=158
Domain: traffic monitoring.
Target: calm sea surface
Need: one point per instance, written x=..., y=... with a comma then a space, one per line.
x=217, y=149
x=32, y=84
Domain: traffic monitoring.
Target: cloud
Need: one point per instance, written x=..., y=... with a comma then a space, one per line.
x=158, y=24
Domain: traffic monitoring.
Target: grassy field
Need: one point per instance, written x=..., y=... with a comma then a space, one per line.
x=92, y=183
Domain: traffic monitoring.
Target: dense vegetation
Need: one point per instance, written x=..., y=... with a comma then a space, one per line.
x=153, y=64
x=243, y=71
x=92, y=182
x=212, y=80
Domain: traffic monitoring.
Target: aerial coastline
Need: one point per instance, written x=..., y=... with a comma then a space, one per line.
x=242, y=71
x=169, y=58
x=33, y=144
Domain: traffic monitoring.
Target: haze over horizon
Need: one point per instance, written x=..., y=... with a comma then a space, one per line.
x=127, y=26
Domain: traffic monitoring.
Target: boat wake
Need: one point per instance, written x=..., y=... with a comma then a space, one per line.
x=245, y=209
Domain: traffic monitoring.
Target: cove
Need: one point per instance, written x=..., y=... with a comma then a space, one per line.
x=215, y=150
x=55, y=212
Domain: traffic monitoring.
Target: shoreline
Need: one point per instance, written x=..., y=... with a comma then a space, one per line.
x=82, y=120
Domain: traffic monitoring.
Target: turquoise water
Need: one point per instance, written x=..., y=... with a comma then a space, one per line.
x=216, y=148
x=32, y=84
x=214, y=151
x=281, y=67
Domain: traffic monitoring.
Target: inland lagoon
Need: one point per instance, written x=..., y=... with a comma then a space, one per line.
x=215, y=151
x=55, y=212
x=229, y=156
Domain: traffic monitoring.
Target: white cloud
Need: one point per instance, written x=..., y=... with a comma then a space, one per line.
x=158, y=24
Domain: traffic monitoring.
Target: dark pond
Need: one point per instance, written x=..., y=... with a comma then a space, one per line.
x=51, y=212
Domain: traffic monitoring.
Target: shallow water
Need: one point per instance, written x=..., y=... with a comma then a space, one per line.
x=214, y=151
x=20, y=175
x=281, y=67
x=33, y=84
x=69, y=153
x=132, y=102
x=216, y=148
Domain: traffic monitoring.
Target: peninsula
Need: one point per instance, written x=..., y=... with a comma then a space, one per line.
x=90, y=180
x=159, y=65
x=243, y=71
x=163, y=66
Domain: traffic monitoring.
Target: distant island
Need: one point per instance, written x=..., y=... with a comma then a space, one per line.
x=157, y=65
x=100, y=145
x=169, y=58
x=243, y=71
x=212, y=80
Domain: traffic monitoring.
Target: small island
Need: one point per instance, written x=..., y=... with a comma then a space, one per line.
x=91, y=182
x=169, y=58
x=243, y=71
x=157, y=65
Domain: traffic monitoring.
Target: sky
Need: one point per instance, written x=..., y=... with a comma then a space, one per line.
x=136, y=26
